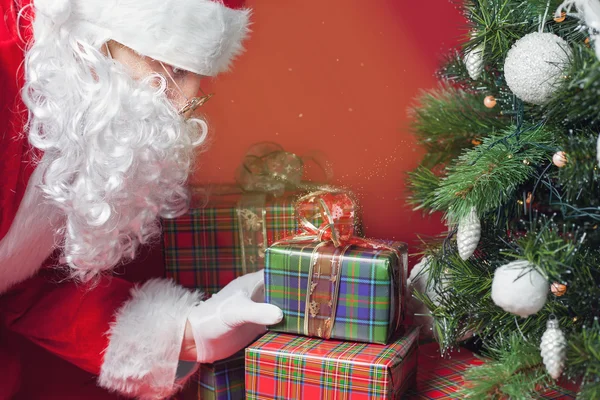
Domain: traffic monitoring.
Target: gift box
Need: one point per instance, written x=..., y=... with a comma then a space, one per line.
x=284, y=366
x=222, y=380
x=225, y=234
x=366, y=304
x=228, y=227
x=334, y=284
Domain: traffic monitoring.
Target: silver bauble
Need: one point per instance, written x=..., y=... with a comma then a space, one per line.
x=535, y=65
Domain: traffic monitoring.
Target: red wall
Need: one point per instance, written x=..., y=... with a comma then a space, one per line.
x=335, y=76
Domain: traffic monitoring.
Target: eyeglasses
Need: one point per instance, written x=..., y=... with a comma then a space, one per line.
x=192, y=103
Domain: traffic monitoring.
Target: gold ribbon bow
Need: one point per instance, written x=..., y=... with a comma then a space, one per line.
x=268, y=168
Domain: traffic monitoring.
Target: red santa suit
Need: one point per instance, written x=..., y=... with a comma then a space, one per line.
x=130, y=337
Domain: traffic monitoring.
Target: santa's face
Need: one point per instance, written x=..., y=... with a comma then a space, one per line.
x=182, y=85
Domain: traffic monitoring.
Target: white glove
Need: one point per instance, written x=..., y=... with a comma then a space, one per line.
x=232, y=318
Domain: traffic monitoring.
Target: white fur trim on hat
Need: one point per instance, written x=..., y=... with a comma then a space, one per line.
x=142, y=356
x=201, y=36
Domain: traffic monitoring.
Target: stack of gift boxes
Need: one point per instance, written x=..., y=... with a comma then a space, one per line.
x=342, y=295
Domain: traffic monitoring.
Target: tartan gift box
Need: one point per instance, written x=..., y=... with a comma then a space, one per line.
x=226, y=236
x=284, y=366
x=349, y=293
x=222, y=380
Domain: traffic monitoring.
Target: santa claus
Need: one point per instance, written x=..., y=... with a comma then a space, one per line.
x=110, y=89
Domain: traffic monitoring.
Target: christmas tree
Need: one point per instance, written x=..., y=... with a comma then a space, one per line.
x=512, y=162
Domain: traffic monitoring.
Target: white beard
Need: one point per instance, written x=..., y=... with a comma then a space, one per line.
x=113, y=166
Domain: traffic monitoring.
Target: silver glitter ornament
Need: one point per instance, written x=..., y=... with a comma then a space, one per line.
x=534, y=66
x=553, y=349
x=468, y=235
x=474, y=62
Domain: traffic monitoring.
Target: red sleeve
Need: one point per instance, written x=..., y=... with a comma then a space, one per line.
x=15, y=153
x=68, y=320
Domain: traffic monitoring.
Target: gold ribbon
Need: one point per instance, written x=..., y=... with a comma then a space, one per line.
x=323, y=289
x=252, y=230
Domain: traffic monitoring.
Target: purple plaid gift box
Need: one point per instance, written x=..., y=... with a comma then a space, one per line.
x=222, y=380
x=348, y=293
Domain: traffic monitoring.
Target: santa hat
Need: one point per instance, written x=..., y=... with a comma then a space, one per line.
x=201, y=36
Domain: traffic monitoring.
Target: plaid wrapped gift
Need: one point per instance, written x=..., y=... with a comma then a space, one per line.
x=283, y=366
x=222, y=380
x=366, y=305
x=216, y=242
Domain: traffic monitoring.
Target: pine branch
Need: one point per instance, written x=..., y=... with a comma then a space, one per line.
x=550, y=247
x=487, y=176
x=421, y=183
x=516, y=371
x=497, y=24
x=583, y=357
x=575, y=104
x=579, y=179
x=448, y=120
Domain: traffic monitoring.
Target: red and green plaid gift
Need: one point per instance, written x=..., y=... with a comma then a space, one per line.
x=222, y=380
x=226, y=236
x=284, y=366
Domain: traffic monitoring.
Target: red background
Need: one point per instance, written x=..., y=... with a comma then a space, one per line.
x=338, y=77
x=335, y=76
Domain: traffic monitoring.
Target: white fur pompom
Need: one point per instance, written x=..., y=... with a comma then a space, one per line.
x=58, y=11
x=519, y=288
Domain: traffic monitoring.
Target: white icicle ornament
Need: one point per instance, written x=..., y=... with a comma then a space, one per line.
x=474, y=62
x=553, y=349
x=519, y=288
x=468, y=234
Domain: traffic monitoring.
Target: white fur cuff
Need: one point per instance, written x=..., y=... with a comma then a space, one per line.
x=145, y=341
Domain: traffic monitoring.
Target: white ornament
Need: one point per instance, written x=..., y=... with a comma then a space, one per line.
x=553, y=349
x=588, y=11
x=519, y=288
x=417, y=282
x=474, y=62
x=534, y=66
x=468, y=235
